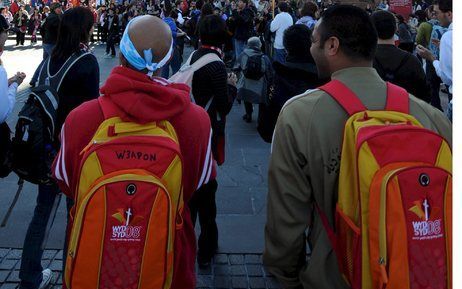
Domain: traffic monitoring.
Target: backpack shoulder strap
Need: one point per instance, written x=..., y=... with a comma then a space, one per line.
x=58, y=78
x=397, y=98
x=344, y=96
x=204, y=60
x=43, y=73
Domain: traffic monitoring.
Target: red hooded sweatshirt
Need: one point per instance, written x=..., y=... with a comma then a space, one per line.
x=141, y=99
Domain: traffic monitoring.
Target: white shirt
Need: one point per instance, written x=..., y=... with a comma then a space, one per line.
x=443, y=66
x=180, y=18
x=7, y=95
x=281, y=22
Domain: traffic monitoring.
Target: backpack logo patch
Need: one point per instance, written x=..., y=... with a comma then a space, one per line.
x=127, y=231
x=428, y=227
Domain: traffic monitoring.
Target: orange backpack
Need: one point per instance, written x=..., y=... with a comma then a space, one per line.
x=393, y=224
x=127, y=207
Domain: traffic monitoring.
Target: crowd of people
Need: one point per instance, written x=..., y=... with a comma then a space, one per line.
x=141, y=130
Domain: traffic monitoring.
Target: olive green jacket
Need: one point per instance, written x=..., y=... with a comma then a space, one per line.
x=304, y=168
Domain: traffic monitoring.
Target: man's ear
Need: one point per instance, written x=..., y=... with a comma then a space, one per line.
x=122, y=60
x=332, y=46
x=450, y=15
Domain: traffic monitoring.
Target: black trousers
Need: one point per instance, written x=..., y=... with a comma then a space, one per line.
x=203, y=204
x=20, y=37
x=110, y=45
x=434, y=82
x=248, y=108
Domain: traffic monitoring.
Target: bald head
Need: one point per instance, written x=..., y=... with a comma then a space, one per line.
x=150, y=32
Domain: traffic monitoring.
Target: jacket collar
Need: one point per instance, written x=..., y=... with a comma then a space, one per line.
x=358, y=75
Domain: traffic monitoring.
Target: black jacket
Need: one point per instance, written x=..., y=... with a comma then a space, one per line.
x=403, y=69
x=114, y=29
x=290, y=79
x=243, y=22
x=212, y=81
x=49, y=29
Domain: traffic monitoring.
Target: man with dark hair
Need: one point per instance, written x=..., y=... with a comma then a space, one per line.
x=49, y=29
x=308, y=12
x=305, y=160
x=281, y=22
x=396, y=65
x=243, y=20
x=443, y=66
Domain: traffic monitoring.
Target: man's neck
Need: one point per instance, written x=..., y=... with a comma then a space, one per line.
x=386, y=41
x=350, y=64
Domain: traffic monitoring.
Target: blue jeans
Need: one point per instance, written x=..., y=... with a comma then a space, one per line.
x=47, y=49
x=175, y=64
x=280, y=55
x=31, y=267
x=239, y=46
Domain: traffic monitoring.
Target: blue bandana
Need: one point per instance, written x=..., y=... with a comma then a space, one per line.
x=133, y=57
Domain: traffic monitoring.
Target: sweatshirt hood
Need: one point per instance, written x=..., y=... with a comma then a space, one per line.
x=143, y=99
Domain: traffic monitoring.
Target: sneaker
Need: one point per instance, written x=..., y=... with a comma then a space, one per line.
x=47, y=275
x=108, y=56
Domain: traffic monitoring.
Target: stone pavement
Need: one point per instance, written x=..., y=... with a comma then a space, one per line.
x=241, y=199
x=227, y=271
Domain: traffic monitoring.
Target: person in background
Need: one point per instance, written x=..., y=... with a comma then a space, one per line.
x=175, y=62
x=7, y=15
x=263, y=7
x=80, y=84
x=396, y=65
x=8, y=86
x=34, y=25
x=211, y=85
x=281, y=22
x=405, y=37
x=242, y=18
x=424, y=31
x=256, y=76
x=102, y=32
x=45, y=13
x=308, y=13
x=413, y=24
x=113, y=29
x=443, y=66
x=384, y=5
x=20, y=20
x=49, y=29
x=297, y=75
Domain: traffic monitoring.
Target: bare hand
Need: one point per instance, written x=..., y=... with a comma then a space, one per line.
x=435, y=42
x=232, y=79
x=18, y=78
x=425, y=53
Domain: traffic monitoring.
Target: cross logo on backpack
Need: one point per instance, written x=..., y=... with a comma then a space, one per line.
x=393, y=224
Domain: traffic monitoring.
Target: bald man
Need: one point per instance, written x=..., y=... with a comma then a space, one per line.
x=135, y=92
